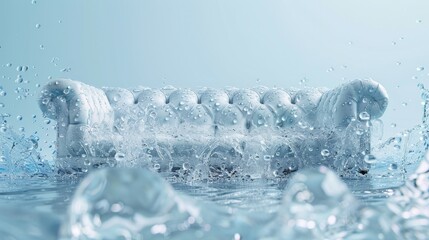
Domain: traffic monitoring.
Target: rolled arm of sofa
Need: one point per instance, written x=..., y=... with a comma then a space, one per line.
x=77, y=108
x=360, y=100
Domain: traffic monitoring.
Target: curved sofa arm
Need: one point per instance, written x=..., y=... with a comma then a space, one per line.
x=77, y=108
x=357, y=100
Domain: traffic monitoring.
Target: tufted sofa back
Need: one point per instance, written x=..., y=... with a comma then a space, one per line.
x=216, y=111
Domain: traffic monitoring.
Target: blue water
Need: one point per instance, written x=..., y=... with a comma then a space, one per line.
x=43, y=201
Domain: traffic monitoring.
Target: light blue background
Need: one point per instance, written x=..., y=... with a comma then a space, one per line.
x=215, y=43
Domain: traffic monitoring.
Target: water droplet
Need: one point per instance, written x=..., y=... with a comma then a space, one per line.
x=116, y=207
x=86, y=162
x=369, y=158
x=9, y=65
x=42, y=46
x=19, y=79
x=419, y=69
x=38, y=26
x=275, y=173
x=364, y=116
x=19, y=117
x=331, y=69
x=398, y=63
x=33, y=2
x=237, y=236
x=404, y=104
x=156, y=166
x=419, y=21
x=359, y=131
x=119, y=156
x=393, y=166
x=3, y=93
x=325, y=153
x=393, y=125
x=267, y=157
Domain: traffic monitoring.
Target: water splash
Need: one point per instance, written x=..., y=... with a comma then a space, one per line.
x=19, y=155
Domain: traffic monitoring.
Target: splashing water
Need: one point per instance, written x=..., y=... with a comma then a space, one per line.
x=147, y=202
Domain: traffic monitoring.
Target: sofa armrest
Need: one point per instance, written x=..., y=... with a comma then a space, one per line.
x=76, y=107
x=360, y=100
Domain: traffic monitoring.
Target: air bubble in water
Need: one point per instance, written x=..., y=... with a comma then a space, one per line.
x=393, y=125
x=325, y=153
x=38, y=26
x=33, y=2
x=19, y=117
x=404, y=104
x=3, y=93
x=419, y=69
x=369, y=158
x=364, y=116
x=9, y=65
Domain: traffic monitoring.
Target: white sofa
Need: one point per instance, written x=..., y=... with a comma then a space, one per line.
x=177, y=126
